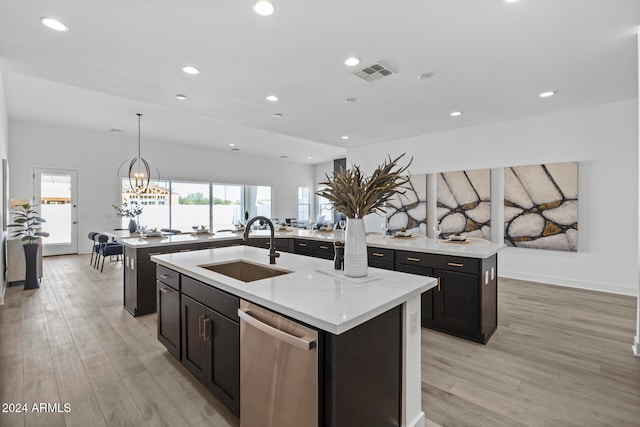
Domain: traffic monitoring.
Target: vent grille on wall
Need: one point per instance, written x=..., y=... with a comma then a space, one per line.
x=373, y=72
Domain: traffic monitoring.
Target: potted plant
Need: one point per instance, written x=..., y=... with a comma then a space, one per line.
x=355, y=194
x=27, y=223
x=130, y=211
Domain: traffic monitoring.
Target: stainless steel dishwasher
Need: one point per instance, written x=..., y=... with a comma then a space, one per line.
x=278, y=370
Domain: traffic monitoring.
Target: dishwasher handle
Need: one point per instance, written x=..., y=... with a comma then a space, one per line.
x=303, y=343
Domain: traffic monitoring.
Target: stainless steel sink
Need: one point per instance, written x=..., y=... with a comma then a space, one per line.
x=245, y=270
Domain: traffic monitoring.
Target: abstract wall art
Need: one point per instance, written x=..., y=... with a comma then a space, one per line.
x=541, y=206
x=409, y=210
x=464, y=203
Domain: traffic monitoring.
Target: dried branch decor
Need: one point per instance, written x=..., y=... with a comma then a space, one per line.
x=356, y=195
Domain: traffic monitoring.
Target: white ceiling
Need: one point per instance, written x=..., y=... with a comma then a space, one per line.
x=488, y=58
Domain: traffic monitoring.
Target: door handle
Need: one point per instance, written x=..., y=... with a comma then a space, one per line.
x=75, y=222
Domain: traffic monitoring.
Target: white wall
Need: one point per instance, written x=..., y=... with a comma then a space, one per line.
x=604, y=139
x=97, y=157
x=4, y=135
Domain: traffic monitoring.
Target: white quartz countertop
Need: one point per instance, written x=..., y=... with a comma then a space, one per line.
x=474, y=248
x=329, y=303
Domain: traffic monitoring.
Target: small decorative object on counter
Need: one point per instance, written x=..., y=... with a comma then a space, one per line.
x=339, y=258
x=131, y=211
x=354, y=194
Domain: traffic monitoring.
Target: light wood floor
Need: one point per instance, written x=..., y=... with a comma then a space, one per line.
x=560, y=357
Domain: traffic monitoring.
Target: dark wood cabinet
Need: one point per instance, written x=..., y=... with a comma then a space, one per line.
x=282, y=244
x=381, y=258
x=211, y=341
x=140, y=273
x=464, y=303
x=314, y=248
x=168, y=299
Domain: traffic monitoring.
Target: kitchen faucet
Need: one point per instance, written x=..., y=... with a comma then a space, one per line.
x=272, y=239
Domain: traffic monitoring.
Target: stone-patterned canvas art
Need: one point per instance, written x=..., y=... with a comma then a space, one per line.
x=541, y=206
x=464, y=203
x=409, y=210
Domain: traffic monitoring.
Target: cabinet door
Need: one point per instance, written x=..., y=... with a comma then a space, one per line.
x=194, y=350
x=169, y=318
x=456, y=302
x=222, y=338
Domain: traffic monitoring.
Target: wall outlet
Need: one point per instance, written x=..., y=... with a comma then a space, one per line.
x=413, y=323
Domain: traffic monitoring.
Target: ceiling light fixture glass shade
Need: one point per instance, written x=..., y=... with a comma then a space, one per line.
x=54, y=24
x=263, y=8
x=138, y=174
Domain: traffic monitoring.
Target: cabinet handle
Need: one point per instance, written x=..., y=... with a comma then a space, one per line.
x=438, y=284
x=266, y=243
x=200, y=326
x=155, y=253
x=165, y=290
x=455, y=264
x=324, y=247
x=205, y=322
x=185, y=250
x=165, y=276
x=377, y=254
x=302, y=244
x=413, y=259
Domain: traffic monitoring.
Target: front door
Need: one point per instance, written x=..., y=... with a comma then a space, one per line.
x=55, y=190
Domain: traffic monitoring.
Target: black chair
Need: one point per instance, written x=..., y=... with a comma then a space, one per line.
x=94, y=250
x=108, y=249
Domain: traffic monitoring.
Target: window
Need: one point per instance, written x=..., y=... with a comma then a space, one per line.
x=154, y=203
x=227, y=206
x=304, y=205
x=189, y=205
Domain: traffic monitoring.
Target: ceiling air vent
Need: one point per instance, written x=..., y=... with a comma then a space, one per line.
x=373, y=72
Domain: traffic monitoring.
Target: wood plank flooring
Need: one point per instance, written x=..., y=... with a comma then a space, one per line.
x=560, y=357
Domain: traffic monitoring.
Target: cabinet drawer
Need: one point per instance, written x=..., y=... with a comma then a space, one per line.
x=413, y=258
x=168, y=277
x=216, y=299
x=380, y=254
x=455, y=263
x=145, y=254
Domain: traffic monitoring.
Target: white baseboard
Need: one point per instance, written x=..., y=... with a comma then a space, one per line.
x=592, y=286
x=418, y=421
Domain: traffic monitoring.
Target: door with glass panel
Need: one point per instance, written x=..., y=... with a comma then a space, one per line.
x=56, y=193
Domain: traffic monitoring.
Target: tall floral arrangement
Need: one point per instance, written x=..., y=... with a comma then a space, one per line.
x=355, y=194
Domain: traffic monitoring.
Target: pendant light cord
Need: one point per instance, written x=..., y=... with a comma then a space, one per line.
x=139, y=116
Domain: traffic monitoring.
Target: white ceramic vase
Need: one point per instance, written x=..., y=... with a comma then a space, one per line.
x=355, y=248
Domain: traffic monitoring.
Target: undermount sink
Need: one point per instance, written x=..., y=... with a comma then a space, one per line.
x=244, y=270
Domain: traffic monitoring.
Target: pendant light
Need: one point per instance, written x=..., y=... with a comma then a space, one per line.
x=137, y=175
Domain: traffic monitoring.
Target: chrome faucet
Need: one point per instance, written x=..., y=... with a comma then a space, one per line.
x=272, y=239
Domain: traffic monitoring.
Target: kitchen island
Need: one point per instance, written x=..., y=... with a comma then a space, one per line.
x=464, y=303
x=379, y=316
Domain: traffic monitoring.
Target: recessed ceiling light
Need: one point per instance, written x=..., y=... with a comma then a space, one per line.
x=425, y=76
x=235, y=149
x=283, y=157
x=345, y=137
x=511, y=1
x=263, y=7
x=189, y=69
x=115, y=130
x=232, y=145
x=309, y=157
x=547, y=94
x=277, y=114
x=54, y=24
x=271, y=98
x=352, y=62
x=181, y=97
x=350, y=100
x=455, y=113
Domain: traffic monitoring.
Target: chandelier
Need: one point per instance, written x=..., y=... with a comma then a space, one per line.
x=138, y=174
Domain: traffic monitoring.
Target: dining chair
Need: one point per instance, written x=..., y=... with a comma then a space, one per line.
x=108, y=249
x=94, y=250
